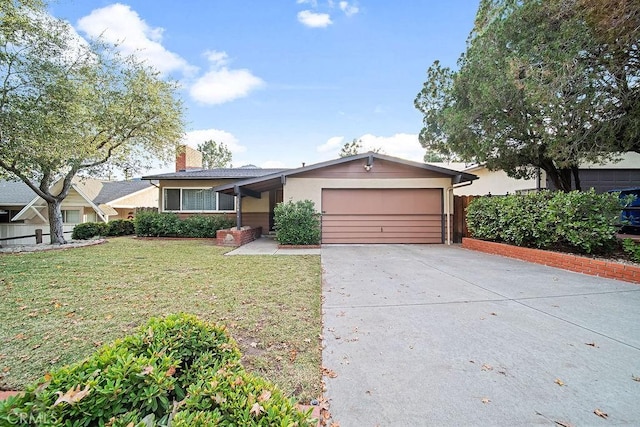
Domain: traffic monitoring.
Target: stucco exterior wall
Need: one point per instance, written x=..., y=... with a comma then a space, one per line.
x=147, y=198
x=497, y=183
x=251, y=204
x=311, y=188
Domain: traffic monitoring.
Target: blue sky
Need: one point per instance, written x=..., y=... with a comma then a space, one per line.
x=283, y=82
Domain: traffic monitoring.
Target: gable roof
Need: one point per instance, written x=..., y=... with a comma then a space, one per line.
x=217, y=173
x=263, y=183
x=114, y=190
x=96, y=193
x=14, y=193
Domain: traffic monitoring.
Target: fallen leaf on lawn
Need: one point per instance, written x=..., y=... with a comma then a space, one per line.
x=266, y=394
x=486, y=367
x=559, y=382
x=328, y=372
x=256, y=409
x=170, y=371
x=147, y=370
x=293, y=354
x=72, y=396
x=108, y=317
x=601, y=414
x=633, y=377
x=486, y=400
x=24, y=307
x=254, y=344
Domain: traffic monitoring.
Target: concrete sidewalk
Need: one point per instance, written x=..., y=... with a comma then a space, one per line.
x=422, y=335
x=268, y=246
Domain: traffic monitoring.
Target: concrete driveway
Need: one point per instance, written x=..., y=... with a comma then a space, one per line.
x=423, y=335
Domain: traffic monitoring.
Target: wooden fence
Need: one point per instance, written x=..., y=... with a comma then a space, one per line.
x=460, y=204
x=26, y=234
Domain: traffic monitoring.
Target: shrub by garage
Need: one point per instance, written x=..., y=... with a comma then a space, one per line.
x=297, y=223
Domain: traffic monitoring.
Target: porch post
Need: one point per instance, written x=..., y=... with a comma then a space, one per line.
x=238, y=208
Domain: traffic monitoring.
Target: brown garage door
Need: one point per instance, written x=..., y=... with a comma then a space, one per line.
x=404, y=215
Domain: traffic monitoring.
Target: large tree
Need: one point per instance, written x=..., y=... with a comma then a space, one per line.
x=532, y=91
x=69, y=107
x=215, y=154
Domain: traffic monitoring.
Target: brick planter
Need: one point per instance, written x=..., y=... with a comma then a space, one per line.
x=577, y=263
x=235, y=237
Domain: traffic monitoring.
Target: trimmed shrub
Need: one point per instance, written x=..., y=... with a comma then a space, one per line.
x=89, y=230
x=175, y=371
x=580, y=221
x=632, y=249
x=120, y=227
x=154, y=224
x=297, y=223
x=204, y=226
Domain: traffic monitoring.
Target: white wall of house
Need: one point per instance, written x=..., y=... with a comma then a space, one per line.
x=13, y=230
x=496, y=183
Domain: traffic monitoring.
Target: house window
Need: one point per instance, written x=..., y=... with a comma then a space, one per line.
x=70, y=216
x=91, y=217
x=197, y=200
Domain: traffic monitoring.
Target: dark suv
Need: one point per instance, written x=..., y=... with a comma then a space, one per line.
x=630, y=216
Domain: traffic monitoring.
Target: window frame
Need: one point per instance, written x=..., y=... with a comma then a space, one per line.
x=65, y=216
x=181, y=210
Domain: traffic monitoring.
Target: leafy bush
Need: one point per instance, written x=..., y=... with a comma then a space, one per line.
x=297, y=223
x=120, y=227
x=632, y=248
x=581, y=221
x=88, y=230
x=204, y=226
x=174, y=371
x=154, y=224
x=117, y=227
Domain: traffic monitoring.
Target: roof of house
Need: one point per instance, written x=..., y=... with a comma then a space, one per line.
x=218, y=173
x=264, y=182
x=113, y=190
x=15, y=193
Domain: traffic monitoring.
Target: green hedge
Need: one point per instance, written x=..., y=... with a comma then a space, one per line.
x=117, y=227
x=580, y=221
x=154, y=224
x=174, y=371
x=297, y=223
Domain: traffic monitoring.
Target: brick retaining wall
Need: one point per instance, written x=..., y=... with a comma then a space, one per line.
x=580, y=264
x=235, y=237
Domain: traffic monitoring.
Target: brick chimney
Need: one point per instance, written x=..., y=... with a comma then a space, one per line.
x=188, y=158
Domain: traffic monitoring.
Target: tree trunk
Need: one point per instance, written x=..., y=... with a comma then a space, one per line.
x=576, y=178
x=56, y=230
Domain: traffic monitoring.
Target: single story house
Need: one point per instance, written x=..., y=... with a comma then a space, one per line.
x=89, y=200
x=623, y=173
x=365, y=198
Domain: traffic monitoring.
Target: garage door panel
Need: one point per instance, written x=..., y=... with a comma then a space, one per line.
x=382, y=216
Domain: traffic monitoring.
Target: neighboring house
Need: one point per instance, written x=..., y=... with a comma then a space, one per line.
x=14, y=195
x=89, y=200
x=609, y=176
x=92, y=200
x=366, y=198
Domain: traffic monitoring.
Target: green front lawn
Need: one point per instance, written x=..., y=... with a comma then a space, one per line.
x=58, y=306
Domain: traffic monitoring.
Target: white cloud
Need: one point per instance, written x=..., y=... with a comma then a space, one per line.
x=313, y=19
x=195, y=137
x=348, y=9
x=313, y=3
x=403, y=145
x=333, y=144
x=119, y=24
x=221, y=84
